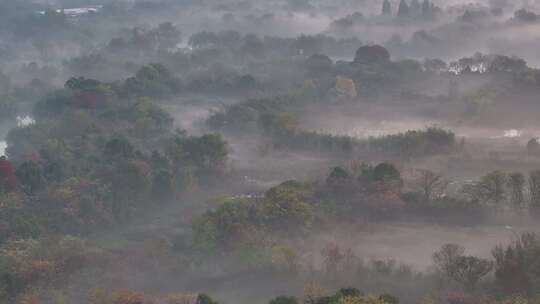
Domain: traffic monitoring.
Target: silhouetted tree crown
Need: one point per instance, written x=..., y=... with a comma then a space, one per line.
x=372, y=54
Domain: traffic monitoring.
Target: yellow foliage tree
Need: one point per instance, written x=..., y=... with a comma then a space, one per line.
x=181, y=298
x=518, y=299
x=346, y=87
x=370, y=299
x=284, y=258
x=313, y=292
x=126, y=296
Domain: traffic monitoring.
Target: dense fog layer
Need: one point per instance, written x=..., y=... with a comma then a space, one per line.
x=278, y=151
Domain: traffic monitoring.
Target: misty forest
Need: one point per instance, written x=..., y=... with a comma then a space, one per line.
x=269, y=151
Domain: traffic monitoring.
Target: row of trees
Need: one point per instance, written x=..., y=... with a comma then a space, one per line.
x=229, y=62
x=275, y=118
x=511, y=189
x=342, y=296
x=425, y=10
x=362, y=191
x=512, y=266
x=283, y=133
x=293, y=208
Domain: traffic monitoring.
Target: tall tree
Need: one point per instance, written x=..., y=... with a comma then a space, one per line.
x=534, y=189
x=30, y=176
x=430, y=184
x=465, y=270
x=469, y=270
x=516, y=183
x=427, y=9
x=492, y=187
x=403, y=10
x=387, y=8
x=513, y=271
x=446, y=257
x=415, y=8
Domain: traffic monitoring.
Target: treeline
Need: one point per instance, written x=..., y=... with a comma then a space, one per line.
x=190, y=77
x=275, y=119
x=456, y=276
x=407, y=145
x=506, y=190
x=305, y=45
x=225, y=62
x=232, y=64
x=294, y=208
x=505, y=276
x=359, y=193
x=130, y=296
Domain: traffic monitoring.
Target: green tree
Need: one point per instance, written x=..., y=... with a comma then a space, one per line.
x=534, y=190
x=469, y=270
x=386, y=172
x=284, y=300
x=517, y=265
x=82, y=83
x=389, y=299
x=370, y=299
x=223, y=228
x=516, y=183
x=149, y=119
x=338, y=177
x=5, y=84
x=205, y=299
x=372, y=54
x=152, y=80
x=492, y=187
x=162, y=185
x=119, y=147
x=30, y=176
x=446, y=257
x=167, y=35
x=387, y=8
x=403, y=9
x=286, y=207
x=349, y=292
x=132, y=185
x=203, y=158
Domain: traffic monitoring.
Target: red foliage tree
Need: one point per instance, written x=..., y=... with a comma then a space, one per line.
x=89, y=99
x=8, y=179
